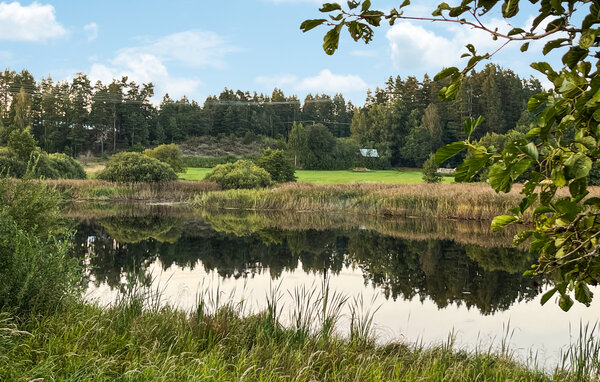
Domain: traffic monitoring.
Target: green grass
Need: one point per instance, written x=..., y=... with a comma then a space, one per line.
x=404, y=176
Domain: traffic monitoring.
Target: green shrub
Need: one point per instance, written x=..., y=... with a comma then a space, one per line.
x=67, y=167
x=430, y=168
x=36, y=271
x=41, y=165
x=22, y=143
x=278, y=165
x=11, y=166
x=241, y=174
x=132, y=167
x=169, y=154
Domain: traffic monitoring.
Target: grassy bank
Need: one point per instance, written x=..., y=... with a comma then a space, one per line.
x=98, y=190
x=405, y=176
x=138, y=340
x=457, y=201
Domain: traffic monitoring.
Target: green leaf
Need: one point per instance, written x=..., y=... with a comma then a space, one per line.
x=352, y=4
x=499, y=177
x=550, y=45
x=448, y=151
x=587, y=39
x=510, y=8
x=445, y=73
x=502, y=221
x=515, y=31
x=521, y=237
x=583, y=293
x=332, y=39
x=471, y=166
x=329, y=7
x=366, y=5
x=565, y=302
x=524, y=47
x=573, y=56
x=531, y=151
x=311, y=24
x=578, y=166
x=548, y=295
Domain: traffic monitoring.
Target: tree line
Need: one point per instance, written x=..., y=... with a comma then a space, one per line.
x=404, y=120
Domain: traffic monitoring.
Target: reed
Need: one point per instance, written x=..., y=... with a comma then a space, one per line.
x=458, y=201
x=97, y=190
x=137, y=338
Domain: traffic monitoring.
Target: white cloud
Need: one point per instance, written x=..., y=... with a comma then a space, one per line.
x=150, y=62
x=35, y=22
x=92, y=31
x=415, y=48
x=325, y=81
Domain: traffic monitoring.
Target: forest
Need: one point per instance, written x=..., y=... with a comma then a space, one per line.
x=404, y=120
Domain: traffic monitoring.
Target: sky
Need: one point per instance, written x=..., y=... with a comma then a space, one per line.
x=197, y=48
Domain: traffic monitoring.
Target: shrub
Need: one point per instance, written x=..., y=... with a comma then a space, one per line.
x=22, y=143
x=11, y=166
x=241, y=174
x=278, y=165
x=67, y=167
x=41, y=166
x=169, y=154
x=132, y=167
x=36, y=271
x=430, y=168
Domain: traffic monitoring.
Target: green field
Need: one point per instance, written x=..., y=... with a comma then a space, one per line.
x=407, y=176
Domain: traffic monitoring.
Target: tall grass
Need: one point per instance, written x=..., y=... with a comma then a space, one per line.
x=461, y=201
x=137, y=339
x=97, y=190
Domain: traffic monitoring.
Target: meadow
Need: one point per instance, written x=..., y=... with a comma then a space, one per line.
x=401, y=176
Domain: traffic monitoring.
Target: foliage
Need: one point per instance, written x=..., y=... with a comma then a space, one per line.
x=131, y=167
x=22, y=143
x=66, y=166
x=430, y=170
x=241, y=174
x=36, y=270
x=11, y=166
x=170, y=154
x=278, y=165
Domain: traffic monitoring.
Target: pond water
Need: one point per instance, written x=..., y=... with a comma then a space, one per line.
x=424, y=280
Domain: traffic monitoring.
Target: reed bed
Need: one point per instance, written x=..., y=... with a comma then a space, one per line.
x=456, y=201
x=139, y=339
x=94, y=190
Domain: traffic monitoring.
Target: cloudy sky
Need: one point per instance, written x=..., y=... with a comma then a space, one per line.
x=196, y=48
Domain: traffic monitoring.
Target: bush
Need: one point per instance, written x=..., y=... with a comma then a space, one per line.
x=42, y=166
x=132, y=167
x=67, y=167
x=11, y=166
x=430, y=168
x=36, y=271
x=278, y=165
x=241, y=174
x=169, y=154
x=22, y=143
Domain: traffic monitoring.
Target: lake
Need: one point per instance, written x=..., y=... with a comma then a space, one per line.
x=423, y=280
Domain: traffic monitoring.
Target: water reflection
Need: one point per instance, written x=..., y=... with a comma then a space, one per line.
x=446, y=263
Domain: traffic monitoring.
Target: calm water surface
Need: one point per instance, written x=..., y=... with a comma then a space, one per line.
x=426, y=279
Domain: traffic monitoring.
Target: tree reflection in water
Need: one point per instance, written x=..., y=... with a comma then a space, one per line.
x=404, y=261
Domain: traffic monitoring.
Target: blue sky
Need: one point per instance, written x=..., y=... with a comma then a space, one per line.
x=197, y=48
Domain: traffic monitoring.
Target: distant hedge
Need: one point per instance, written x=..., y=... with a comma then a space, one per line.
x=208, y=162
x=132, y=167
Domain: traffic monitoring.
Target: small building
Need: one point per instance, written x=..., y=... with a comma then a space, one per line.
x=369, y=153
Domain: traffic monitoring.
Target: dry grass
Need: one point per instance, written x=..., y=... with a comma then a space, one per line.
x=91, y=189
x=457, y=201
